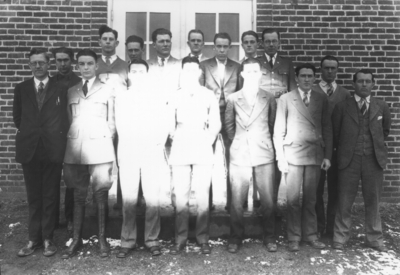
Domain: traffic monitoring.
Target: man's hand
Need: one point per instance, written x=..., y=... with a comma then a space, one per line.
x=283, y=166
x=326, y=163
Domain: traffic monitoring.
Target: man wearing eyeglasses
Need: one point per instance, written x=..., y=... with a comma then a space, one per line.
x=40, y=116
x=361, y=125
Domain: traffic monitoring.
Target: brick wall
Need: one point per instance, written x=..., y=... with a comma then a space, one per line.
x=361, y=33
x=34, y=23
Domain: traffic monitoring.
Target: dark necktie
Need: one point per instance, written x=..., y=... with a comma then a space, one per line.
x=162, y=62
x=271, y=62
x=41, y=88
x=85, y=88
x=330, y=89
x=363, y=106
x=305, y=99
x=108, y=62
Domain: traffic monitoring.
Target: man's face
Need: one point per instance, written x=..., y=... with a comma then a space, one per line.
x=329, y=70
x=196, y=43
x=190, y=74
x=39, y=66
x=305, y=79
x=134, y=51
x=271, y=43
x=63, y=63
x=221, y=48
x=363, y=85
x=108, y=43
x=163, y=45
x=137, y=74
x=87, y=65
x=249, y=45
x=251, y=73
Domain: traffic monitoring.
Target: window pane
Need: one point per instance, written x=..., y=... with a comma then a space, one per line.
x=159, y=20
x=208, y=51
x=206, y=22
x=229, y=22
x=136, y=24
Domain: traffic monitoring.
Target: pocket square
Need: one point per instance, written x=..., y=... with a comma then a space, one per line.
x=379, y=117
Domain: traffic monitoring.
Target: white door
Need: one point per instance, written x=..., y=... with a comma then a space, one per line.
x=142, y=17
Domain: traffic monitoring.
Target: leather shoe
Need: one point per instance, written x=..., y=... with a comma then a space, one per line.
x=338, y=246
x=176, y=249
x=29, y=249
x=123, y=252
x=316, y=244
x=233, y=248
x=271, y=247
x=381, y=248
x=72, y=250
x=155, y=250
x=205, y=248
x=49, y=248
x=294, y=246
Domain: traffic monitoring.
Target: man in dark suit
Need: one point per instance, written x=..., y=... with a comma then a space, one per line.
x=40, y=115
x=303, y=143
x=64, y=58
x=360, y=126
x=220, y=74
x=196, y=44
x=335, y=94
x=249, y=122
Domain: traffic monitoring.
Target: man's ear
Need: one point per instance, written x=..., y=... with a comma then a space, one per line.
x=116, y=43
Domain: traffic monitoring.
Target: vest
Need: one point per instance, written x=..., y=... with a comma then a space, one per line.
x=40, y=98
x=364, y=144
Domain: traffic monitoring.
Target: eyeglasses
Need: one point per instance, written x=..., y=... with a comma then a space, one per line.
x=274, y=42
x=36, y=63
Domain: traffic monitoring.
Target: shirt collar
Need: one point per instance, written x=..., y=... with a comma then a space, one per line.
x=268, y=57
x=90, y=83
x=165, y=59
x=358, y=98
x=37, y=81
x=221, y=63
x=112, y=58
x=324, y=83
x=303, y=93
x=198, y=56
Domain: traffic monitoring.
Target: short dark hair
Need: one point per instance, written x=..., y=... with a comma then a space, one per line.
x=270, y=30
x=160, y=31
x=190, y=59
x=363, y=71
x=65, y=50
x=253, y=33
x=35, y=51
x=135, y=38
x=329, y=57
x=86, y=52
x=222, y=35
x=250, y=60
x=104, y=28
x=138, y=61
x=195, y=31
x=305, y=66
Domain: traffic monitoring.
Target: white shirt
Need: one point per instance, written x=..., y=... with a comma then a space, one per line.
x=303, y=94
x=37, y=82
x=112, y=58
x=90, y=83
x=198, y=56
x=273, y=58
x=324, y=86
x=359, y=100
x=165, y=60
x=221, y=69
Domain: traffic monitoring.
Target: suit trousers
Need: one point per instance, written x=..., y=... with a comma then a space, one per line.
x=327, y=222
x=42, y=182
x=301, y=218
x=131, y=175
x=264, y=179
x=185, y=177
x=370, y=172
x=78, y=176
x=69, y=204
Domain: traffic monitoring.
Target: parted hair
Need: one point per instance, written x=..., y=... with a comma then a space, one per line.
x=305, y=66
x=270, y=30
x=329, y=57
x=65, y=50
x=135, y=38
x=86, y=52
x=195, y=31
x=252, y=33
x=363, y=71
x=160, y=31
x=222, y=35
x=35, y=51
x=138, y=61
x=104, y=28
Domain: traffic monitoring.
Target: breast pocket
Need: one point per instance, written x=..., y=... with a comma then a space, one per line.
x=74, y=106
x=100, y=107
x=283, y=77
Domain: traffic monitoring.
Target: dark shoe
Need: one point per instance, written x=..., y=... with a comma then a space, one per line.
x=256, y=203
x=49, y=248
x=155, y=251
x=123, y=252
x=117, y=206
x=72, y=249
x=79, y=216
x=205, y=248
x=381, y=248
x=233, y=248
x=245, y=204
x=294, y=246
x=316, y=244
x=29, y=249
x=338, y=246
x=271, y=247
x=102, y=209
x=176, y=249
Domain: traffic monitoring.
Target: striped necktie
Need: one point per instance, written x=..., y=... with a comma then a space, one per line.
x=40, y=88
x=108, y=61
x=363, y=108
x=305, y=99
x=330, y=89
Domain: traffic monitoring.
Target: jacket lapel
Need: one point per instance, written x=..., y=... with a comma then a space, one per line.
x=373, y=108
x=261, y=102
x=31, y=91
x=214, y=71
x=228, y=70
x=277, y=63
x=299, y=105
x=314, y=101
x=95, y=87
x=242, y=103
x=352, y=109
x=50, y=91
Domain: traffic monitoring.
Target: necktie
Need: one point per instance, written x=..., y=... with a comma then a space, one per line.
x=162, y=62
x=363, y=106
x=108, y=62
x=305, y=99
x=85, y=88
x=40, y=88
x=330, y=89
x=271, y=63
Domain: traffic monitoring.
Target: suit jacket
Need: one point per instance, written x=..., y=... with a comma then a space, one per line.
x=202, y=58
x=68, y=80
x=90, y=136
x=303, y=135
x=251, y=129
x=280, y=79
x=115, y=75
x=50, y=124
x=165, y=78
x=339, y=95
x=346, y=127
x=210, y=77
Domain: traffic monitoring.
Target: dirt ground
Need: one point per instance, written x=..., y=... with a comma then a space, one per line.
x=251, y=259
